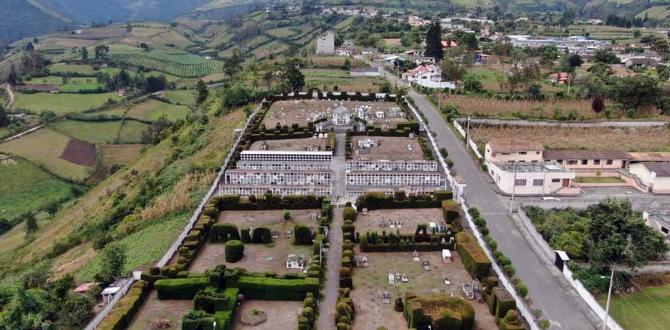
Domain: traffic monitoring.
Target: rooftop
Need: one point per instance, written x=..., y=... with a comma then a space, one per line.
x=514, y=146
x=661, y=169
x=532, y=167
x=305, y=144
x=387, y=148
x=586, y=154
x=650, y=156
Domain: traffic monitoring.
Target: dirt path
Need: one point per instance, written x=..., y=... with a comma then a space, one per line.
x=12, y=96
x=326, y=320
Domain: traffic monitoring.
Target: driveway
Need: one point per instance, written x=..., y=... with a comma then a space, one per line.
x=548, y=291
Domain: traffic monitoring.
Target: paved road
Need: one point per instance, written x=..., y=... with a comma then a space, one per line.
x=326, y=320
x=548, y=291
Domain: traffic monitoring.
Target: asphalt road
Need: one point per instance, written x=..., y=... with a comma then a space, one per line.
x=547, y=289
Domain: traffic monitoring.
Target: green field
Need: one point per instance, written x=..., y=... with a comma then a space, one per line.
x=644, y=310
x=183, y=97
x=131, y=131
x=89, y=131
x=598, y=179
x=45, y=147
x=63, y=67
x=182, y=65
x=62, y=103
x=27, y=188
x=152, y=110
x=57, y=80
x=82, y=88
x=145, y=247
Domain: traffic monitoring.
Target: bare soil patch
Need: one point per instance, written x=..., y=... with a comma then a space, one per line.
x=388, y=219
x=387, y=147
x=370, y=282
x=79, y=152
x=154, y=309
x=303, y=112
x=259, y=257
x=280, y=314
x=307, y=144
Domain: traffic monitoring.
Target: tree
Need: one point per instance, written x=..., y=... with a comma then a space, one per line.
x=203, y=92
x=155, y=84
x=269, y=78
x=31, y=223
x=637, y=91
x=473, y=85
x=129, y=28
x=5, y=226
x=52, y=208
x=597, y=105
x=295, y=78
x=452, y=70
x=101, y=52
x=76, y=310
x=13, y=77
x=4, y=117
x=385, y=87
x=574, y=60
x=434, y=42
x=287, y=215
x=84, y=53
x=535, y=92
x=112, y=263
x=605, y=56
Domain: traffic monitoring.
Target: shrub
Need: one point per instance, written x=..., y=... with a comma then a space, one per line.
x=510, y=321
x=509, y=270
x=474, y=212
x=180, y=288
x=472, y=255
x=245, y=234
x=303, y=235
x=269, y=288
x=349, y=213
x=212, y=301
x=234, y=251
x=399, y=306
x=504, y=302
x=124, y=311
x=261, y=235
x=448, y=319
x=222, y=232
x=522, y=289
x=450, y=210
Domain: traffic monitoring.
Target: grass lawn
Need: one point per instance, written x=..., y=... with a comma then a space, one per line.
x=63, y=67
x=62, y=103
x=57, y=80
x=79, y=88
x=119, y=153
x=131, y=131
x=25, y=187
x=646, y=310
x=598, y=179
x=144, y=247
x=89, y=131
x=153, y=110
x=45, y=147
x=183, y=97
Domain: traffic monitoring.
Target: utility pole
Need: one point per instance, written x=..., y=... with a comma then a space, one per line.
x=511, y=206
x=609, y=296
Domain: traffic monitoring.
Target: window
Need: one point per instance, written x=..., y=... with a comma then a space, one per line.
x=555, y=180
x=572, y=162
x=609, y=162
x=585, y=161
x=537, y=152
x=520, y=182
x=522, y=152
x=596, y=162
x=560, y=161
x=665, y=230
x=538, y=182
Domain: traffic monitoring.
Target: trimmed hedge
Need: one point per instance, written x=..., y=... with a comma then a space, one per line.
x=234, y=251
x=378, y=200
x=504, y=302
x=271, y=202
x=302, y=235
x=212, y=301
x=472, y=255
x=246, y=234
x=261, y=235
x=372, y=242
x=451, y=211
x=349, y=213
x=223, y=232
x=269, y=288
x=510, y=321
x=197, y=320
x=180, y=288
x=124, y=311
x=458, y=309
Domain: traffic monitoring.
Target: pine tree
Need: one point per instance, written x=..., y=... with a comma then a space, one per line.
x=434, y=42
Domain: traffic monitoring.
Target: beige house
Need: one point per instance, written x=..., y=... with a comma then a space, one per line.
x=654, y=177
x=503, y=152
x=531, y=178
x=589, y=160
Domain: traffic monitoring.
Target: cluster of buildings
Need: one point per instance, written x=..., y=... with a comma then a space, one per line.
x=572, y=44
x=427, y=75
x=367, y=12
x=390, y=164
x=525, y=168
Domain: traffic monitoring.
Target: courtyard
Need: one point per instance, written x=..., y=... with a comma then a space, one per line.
x=306, y=144
x=279, y=314
x=386, y=147
x=426, y=274
x=302, y=112
x=404, y=221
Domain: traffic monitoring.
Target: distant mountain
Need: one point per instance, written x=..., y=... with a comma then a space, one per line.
x=27, y=18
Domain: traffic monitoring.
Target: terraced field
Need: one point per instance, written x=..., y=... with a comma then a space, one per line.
x=62, y=103
x=89, y=131
x=188, y=66
x=46, y=147
x=152, y=110
x=25, y=187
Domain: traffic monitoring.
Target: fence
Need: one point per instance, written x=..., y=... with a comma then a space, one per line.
x=549, y=254
x=470, y=143
x=175, y=245
x=521, y=304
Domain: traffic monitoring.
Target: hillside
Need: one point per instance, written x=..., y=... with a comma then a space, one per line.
x=29, y=18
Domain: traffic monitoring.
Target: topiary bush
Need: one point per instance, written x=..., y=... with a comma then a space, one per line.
x=261, y=235
x=223, y=232
x=349, y=213
x=234, y=251
x=302, y=235
x=450, y=211
x=245, y=235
